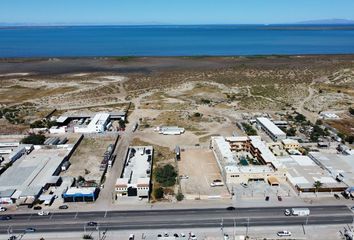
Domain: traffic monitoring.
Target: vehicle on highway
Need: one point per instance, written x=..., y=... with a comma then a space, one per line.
x=297, y=212
x=280, y=198
x=5, y=217
x=267, y=198
x=92, y=224
x=43, y=213
x=284, y=233
x=37, y=208
x=336, y=196
x=63, y=207
x=245, y=185
x=30, y=229
x=3, y=209
x=131, y=237
x=231, y=208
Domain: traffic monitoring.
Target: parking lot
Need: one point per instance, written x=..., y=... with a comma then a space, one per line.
x=200, y=169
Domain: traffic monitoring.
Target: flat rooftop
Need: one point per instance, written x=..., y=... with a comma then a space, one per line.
x=270, y=126
x=32, y=171
x=137, y=169
x=335, y=164
x=304, y=172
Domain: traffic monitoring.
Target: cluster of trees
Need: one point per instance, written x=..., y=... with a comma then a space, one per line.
x=35, y=139
x=249, y=129
x=43, y=124
x=166, y=177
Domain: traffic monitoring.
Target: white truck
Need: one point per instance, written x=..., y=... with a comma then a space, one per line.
x=297, y=212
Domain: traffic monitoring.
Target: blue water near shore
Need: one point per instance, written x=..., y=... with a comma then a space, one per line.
x=218, y=40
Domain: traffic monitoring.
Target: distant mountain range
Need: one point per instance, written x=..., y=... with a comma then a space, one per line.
x=328, y=21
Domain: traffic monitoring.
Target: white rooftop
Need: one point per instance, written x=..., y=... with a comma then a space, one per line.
x=270, y=126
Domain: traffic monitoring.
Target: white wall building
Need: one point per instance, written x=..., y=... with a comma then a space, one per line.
x=97, y=125
x=271, y=129
x=135, y=179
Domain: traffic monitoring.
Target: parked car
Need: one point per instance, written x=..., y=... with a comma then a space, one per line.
x=92, y=224
x=43, y=213
x=336, y=196
x=245, y=185
x=231, y=208
x=131, y=237
x=284, y=234
x=3, y=209
x=176, y=235
x=28, y=230
x=159, y=235
x=352, y=208
x=37, y=208
x=280, y=198
x=226, y=236
x=183, y=177
x=63, y=207
x=192, y=236
x=267, y=198
x=165, y=234
x=5, y=217
x=183, y=235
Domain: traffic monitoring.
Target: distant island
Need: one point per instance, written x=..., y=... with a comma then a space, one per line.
x=327, y=22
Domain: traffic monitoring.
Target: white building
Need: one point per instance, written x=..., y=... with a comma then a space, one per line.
x=271, y=129
x=135, y=179
x=170, y=130
x=97, y=125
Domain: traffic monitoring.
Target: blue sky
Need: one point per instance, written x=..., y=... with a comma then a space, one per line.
x=171, y=11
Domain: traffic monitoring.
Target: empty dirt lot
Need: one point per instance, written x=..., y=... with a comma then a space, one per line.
x=201, y=168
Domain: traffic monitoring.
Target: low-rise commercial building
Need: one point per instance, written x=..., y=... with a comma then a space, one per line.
x=290, y=144
x=243, y=159
x=86, y=194
x=136, y=176
x=271, y=129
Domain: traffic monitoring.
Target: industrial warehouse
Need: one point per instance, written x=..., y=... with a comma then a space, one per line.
x=136, y=176
x=33, y=173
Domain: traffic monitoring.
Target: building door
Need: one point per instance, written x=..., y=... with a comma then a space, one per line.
x=132, y=192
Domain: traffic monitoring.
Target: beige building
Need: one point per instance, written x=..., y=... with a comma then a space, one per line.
x=290, y=144
x=243, y=159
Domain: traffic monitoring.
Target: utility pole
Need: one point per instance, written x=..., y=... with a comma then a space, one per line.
x=234, y=229
x=248, y=224
x=222, y=226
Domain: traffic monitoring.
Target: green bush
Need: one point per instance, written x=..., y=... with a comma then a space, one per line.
x=166, y=175
x=179, y=196
x=249, y=129
x=158, y=193
x=36, y=139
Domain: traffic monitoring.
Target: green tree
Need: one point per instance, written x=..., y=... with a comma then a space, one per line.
x=291, y=132
x=179, y=196
x=351, y=111
x=300, y=118
x=317, y=185
x=350, y=139
x=166, y=175
x=158, y=193
x=36, y=139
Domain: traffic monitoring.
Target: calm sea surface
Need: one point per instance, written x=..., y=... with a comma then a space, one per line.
x=174, y=40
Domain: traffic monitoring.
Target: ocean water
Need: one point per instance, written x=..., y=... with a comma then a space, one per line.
x=222, y=40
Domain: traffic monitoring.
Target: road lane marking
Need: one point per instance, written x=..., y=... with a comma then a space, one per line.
x=105, y=215
x=76, y=215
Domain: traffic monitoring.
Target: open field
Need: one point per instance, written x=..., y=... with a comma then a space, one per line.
x=200, y=94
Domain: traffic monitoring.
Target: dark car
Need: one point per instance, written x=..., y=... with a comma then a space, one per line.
x=345, y=195
x=176, y=235
x=63, y=207
x=280, y=198
x=5, y=217
x=159, y=235
x=267, y=198
x=230, y=208
x=27, y=230
x=336, y=196
x=37, y=208
x=91, y=224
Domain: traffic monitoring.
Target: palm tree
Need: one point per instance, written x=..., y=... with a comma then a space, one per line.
x=317, y=185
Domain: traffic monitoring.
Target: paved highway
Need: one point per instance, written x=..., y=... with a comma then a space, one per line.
x=167, y=219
